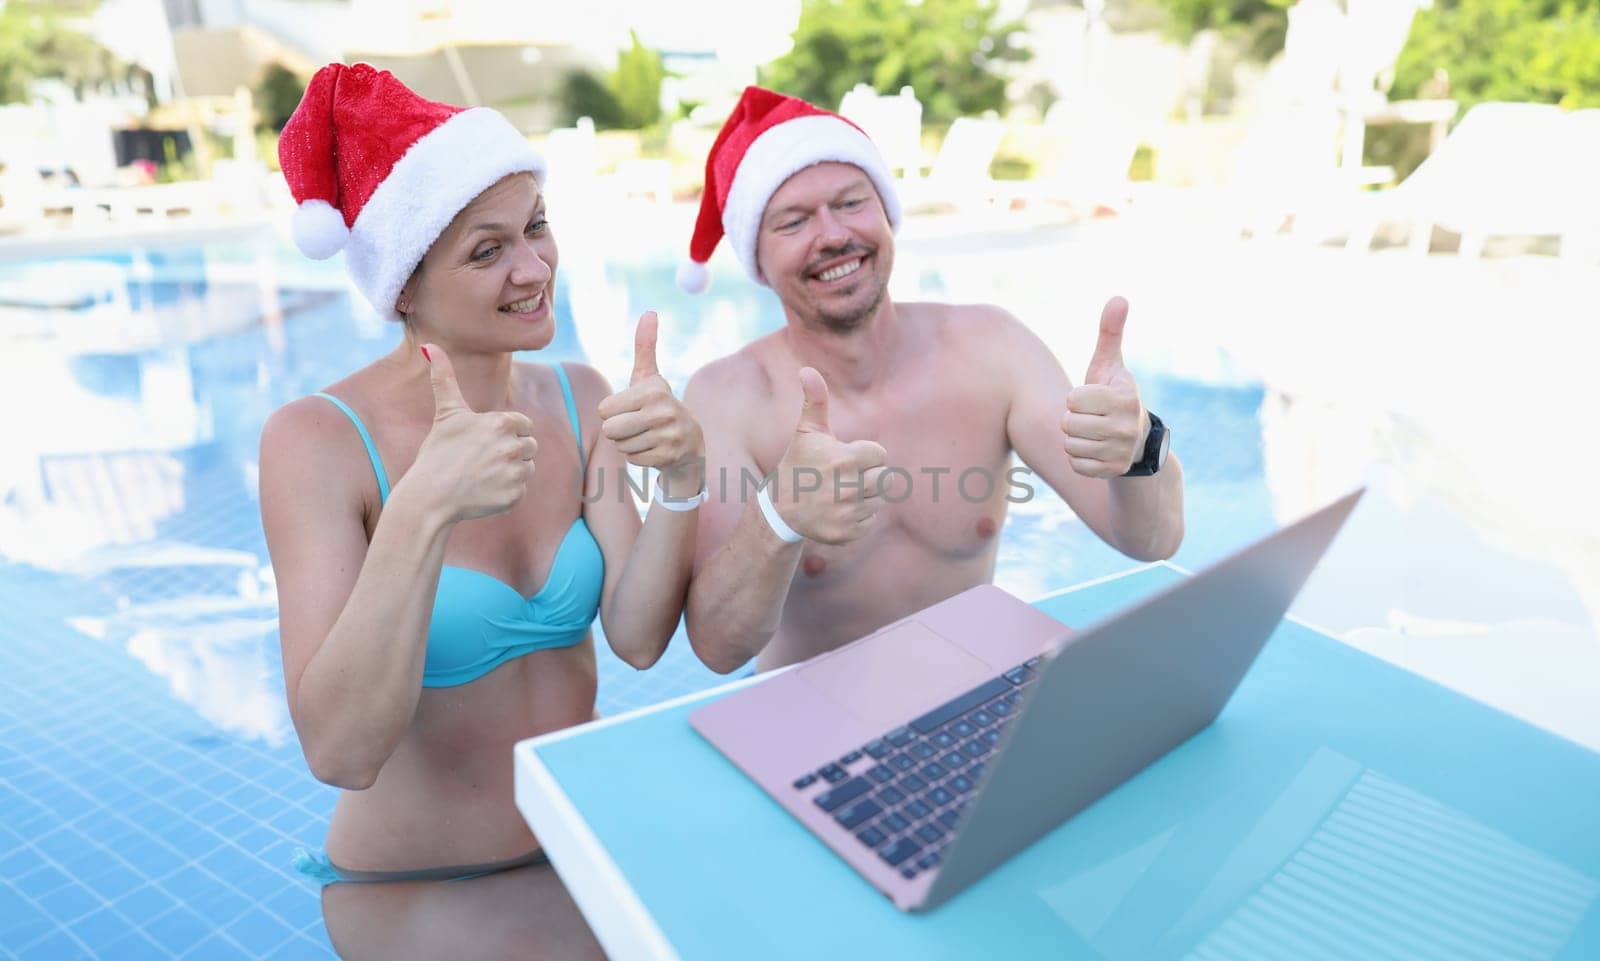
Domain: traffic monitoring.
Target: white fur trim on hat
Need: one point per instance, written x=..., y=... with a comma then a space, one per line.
x=780, y=153
x=438, y=176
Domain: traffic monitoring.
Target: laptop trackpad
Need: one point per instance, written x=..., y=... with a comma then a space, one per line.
x=897, y=675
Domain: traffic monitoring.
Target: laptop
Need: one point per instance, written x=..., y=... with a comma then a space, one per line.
x=930, y=751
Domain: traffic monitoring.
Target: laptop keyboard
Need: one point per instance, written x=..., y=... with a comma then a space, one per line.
x=902, y=794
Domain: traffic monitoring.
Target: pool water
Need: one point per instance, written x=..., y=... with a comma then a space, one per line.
x=151, y=787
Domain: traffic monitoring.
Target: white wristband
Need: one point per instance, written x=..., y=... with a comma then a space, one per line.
x=683, y=504
x=785, y=533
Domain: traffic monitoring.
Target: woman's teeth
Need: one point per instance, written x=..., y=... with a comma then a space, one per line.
x=843, y=270
x=524, y=306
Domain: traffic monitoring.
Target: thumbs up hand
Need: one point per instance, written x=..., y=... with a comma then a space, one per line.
x=475, y=464
x=1105, y=424
x=826, y=489
x=648, y=424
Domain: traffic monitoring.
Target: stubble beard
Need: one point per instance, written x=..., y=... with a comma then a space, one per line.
x=846, y=320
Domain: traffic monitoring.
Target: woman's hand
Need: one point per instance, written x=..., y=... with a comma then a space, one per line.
x=471, y=464
x=649, y=425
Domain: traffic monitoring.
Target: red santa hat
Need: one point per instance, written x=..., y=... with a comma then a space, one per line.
x=379, y=172
x=767, y=139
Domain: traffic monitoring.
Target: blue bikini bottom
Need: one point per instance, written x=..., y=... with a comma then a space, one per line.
x=317, y=867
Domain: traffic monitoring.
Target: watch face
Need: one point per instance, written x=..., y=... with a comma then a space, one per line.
x=1166, y=442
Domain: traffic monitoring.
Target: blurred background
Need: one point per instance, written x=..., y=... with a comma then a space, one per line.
x=1360, y=238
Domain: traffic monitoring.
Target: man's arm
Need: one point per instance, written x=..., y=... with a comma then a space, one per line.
x=742, y=569
x=1139, y=516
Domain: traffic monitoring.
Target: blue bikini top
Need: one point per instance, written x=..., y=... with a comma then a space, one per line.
x=479, y=622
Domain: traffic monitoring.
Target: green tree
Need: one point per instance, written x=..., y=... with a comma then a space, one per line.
x=38, y=43
x=636, y=85
x=950, y=51
x=1260, y=24
x=1544, y=51
x=583, y=94
x=277, y=94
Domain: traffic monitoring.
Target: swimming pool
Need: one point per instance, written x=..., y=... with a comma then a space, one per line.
x=152, y=789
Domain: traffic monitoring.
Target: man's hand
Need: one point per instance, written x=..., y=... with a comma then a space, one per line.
x=472, y=464
x=827, y=489
x=1105, y=425
x=649, y=425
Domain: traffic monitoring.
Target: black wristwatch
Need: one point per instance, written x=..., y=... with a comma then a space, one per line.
x=1155, y=449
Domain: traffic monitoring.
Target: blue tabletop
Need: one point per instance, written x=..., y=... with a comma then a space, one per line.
x=1338, y=808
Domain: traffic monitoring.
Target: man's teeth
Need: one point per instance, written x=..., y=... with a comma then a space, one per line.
x=524, y=306
x=843, y=270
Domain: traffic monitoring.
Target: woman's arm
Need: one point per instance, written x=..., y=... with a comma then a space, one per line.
x=647, y=571
x=647, y=566
x=354, y=616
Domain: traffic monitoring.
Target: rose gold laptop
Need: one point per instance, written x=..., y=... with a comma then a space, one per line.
x=929, y=752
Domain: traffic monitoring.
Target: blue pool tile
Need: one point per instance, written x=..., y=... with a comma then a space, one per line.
x=315, y=795
x=179, y=930
x=235, y=825
x=228, y=862
x=297, y=904
x=59, y=845
x=26, y=931
x=282, y=777
x=218, y=902
x=155, y=858
x=263, y=807
x=259, y=880
x=70, y=902
x=115, y=795
x=259, y=932
x=57, y=946
x=302, y=949
x=147, y=902
x=113, y=880
x=220, y=783
x=231, y=801
x=293, y=821
x=102, y=927
x=150, y=815
x=186, y=835
x=41, y=881
x=135, y=947
x=73, y=804
x=40, y=823
x=187, y=798
x=281, y=853
x=11, y=840
x=258, y=839
x=21, y=921
x=217, y=948
x=20, y=862
x=113, y=830
x=73, y=852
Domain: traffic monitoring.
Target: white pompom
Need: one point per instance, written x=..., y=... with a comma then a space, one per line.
x=693, y=277
x=319, y=230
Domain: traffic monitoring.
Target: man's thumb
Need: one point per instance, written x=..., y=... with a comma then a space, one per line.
x=644, y=348
x=814, y=412
x=446, y=392
x=1108, y=349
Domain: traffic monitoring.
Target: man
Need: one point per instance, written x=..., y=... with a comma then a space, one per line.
x=889, y=490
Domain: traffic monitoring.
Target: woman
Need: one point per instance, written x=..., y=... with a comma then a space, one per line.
x=438, y=563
